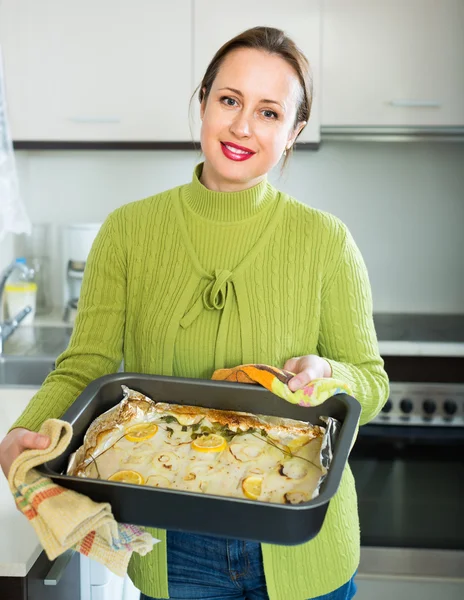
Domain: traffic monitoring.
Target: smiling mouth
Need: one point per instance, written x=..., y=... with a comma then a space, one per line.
x=235, y=152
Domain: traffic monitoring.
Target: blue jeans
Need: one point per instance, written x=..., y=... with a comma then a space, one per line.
x=208, y=568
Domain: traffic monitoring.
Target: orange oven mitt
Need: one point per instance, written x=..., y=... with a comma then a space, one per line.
x=276, y=381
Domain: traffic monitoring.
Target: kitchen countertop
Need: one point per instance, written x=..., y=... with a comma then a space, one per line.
x=19, y=544
x=399, y=334
x=403, y=348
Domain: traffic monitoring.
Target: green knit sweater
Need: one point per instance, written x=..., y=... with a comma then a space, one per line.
x=191, y=280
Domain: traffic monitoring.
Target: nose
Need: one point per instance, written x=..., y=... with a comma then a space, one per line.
x=240, y=126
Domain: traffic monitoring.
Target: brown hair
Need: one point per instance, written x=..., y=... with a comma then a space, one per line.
x=273, y=41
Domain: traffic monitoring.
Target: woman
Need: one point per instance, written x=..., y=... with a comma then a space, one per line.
x=223, y=271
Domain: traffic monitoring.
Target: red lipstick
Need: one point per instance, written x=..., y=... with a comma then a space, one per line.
x=236, y=152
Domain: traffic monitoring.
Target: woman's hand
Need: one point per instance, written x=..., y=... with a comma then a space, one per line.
x=18, y=440
x=306, y=368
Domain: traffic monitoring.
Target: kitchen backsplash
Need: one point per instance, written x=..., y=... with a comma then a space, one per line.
x=403, y=202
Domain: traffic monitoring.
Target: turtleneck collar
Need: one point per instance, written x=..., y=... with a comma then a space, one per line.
x=228, y=206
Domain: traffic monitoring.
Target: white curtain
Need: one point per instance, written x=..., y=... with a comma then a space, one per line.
x=13, y=215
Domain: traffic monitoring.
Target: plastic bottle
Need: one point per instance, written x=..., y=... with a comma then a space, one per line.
x=21, y=291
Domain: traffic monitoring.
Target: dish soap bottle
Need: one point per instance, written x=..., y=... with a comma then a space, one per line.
x=21, y=291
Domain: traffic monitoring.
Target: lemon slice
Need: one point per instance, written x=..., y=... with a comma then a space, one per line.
x=252, y=487
x=141, y=432
x=209, y=443
x=127, y=477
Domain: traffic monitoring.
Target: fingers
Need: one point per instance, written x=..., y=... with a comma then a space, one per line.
x=299, y=366
x=309, y=367
x=306, y=369
x=34, y=441
x=292, y=364
x=15, y=442
x=302, y=379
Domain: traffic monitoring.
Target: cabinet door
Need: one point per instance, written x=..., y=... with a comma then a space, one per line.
x=217, y=22
x=64, y=574
x=393, y=63
x=65, y=578
x=97, y=71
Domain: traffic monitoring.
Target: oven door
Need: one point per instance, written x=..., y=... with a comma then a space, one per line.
x=410, y=486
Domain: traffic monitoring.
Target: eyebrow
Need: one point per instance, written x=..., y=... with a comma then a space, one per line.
x=239, y=93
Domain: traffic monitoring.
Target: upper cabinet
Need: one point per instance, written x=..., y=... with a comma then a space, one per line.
x=122, y=72
x=217, y=22
x=97, y=71
x=391, y=63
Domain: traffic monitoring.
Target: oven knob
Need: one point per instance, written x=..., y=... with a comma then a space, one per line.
x=388, y=406
x=429, y=407
x=406, y=405
x=450, y=407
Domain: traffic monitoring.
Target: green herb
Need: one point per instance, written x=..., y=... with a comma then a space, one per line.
x=228, y=435
x=287, y=452
x=170, y=431
x=169, y=419
x=184, y=427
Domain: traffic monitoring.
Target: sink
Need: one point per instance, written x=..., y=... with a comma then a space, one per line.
x=34, y=341
x=25, y=371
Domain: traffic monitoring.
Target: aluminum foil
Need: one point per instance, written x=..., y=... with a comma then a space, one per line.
x=137, y=407
x=137, y=415
x=329, y=441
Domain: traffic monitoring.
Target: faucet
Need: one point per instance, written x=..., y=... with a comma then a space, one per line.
x=7, y=328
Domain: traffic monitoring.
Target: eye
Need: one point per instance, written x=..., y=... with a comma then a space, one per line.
x=228, y=101
x=270, y=114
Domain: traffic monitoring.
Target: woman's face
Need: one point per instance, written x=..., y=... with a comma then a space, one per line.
x=248, y=119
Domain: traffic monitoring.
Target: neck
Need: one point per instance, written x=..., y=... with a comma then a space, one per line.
x=228, y=207
x=211, y=180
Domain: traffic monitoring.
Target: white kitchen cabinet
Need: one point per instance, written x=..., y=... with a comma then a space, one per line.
x=388, y=63
x=97, y=71
x=217, y=22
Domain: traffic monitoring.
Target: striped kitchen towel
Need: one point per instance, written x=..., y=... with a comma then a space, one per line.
x=65, y=519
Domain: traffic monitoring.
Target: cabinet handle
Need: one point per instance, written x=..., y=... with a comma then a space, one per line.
x=84, y=119
x=415, y=103
x=58, y=568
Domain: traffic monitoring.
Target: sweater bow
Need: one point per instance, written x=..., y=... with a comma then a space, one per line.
x=213, y=297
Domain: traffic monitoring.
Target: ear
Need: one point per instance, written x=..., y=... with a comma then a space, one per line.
x=294, y=134
x=203, y=105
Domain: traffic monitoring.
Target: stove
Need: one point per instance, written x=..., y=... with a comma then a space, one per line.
x=408, y=463
x=424, y=359
x=424, y=404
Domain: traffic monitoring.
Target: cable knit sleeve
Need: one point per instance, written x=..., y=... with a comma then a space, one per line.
x=347, y=338
x=96, y=345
